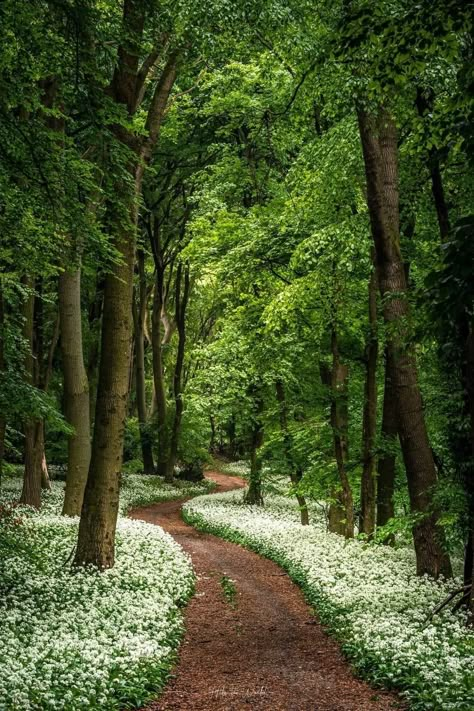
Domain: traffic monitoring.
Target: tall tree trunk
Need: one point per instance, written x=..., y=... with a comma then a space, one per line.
x=3, y=423
x=76, y=390
x=468, y=396
x=253, y=495
x=386, y=463
x=159, y=376
x=341, y=509
x=181, y=302
x=31, y=491
x=95, y=323
x=139, y=312
x=424, y=103
x=379, y=144
x=369, y=460
x=96, y=539
x=295, y=471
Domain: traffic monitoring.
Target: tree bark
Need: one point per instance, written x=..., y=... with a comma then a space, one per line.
x=295, y=471
x=31, y=491
x=140, y=311
x=424, y=103
x=76, y=390
x=95, y=324
x=3, y=423
x=341, y=509
x=369, y=459
x=468, y=397
x=379, y=144
x=253, y=495
x=181, y=302
x=158, y=374
x=96, y=539
x=386, y=463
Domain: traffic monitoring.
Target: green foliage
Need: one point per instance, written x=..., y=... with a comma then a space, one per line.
x=229, y=590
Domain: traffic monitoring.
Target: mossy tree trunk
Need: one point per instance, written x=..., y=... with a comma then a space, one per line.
x=341, y=509
x=181, y=303
x=159, y=297
x=387, y=459
x=139, y=317
x=253, y=494
x=369, y=426
x=96, y=539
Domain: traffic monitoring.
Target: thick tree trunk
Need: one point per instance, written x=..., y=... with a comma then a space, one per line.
x=379, y=144
x=181, y=302
x=386, y=463
x=295, y=471
x=369, y=459
x=31, y=491
x=139, y=323
x=76, y=390
x=96, y=540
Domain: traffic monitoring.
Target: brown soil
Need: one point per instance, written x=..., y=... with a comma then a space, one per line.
x=268, y=651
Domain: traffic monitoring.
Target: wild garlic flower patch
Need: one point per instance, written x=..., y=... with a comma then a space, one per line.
x=86, y=640
x=369, y=595
x=239, y=468
x=140, y=490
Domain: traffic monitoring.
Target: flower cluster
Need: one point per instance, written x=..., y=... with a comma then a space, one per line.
x=368, y=595
x=240, y=468
x=86, y=640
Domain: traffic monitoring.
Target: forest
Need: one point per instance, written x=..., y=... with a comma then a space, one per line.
x=236, y=355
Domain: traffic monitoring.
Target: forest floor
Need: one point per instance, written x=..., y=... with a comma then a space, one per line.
x=251, y=640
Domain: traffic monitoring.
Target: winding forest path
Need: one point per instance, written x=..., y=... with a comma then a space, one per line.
x=267, y=652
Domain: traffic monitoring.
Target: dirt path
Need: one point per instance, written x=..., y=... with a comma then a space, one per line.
x=267, y=652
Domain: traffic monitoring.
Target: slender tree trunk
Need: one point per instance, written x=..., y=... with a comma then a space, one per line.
x=379, y=144
x=31, y=491
x=159, y=377
x=253, y=495
x=3, y=423
x=45, y=480
x=212, y=443
x=386, y=463
x=424, y=103
x=468, y=396
x=341, y=509
x=181, y=302
x=139, y=323
x=369, y=460
x=295, y=471
x=76, y=390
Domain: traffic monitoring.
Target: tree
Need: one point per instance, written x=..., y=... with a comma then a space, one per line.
x=96, y=537
x=379, y=144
